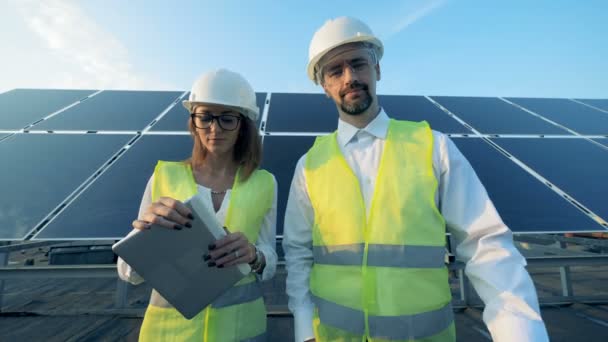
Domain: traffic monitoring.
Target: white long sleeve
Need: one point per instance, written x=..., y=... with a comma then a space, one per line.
x=266, y=239
x=483, y=241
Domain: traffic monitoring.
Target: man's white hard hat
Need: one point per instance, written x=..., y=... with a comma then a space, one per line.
x=336, y=32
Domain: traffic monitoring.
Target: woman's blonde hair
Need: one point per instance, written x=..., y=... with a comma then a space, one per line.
x=247, y=152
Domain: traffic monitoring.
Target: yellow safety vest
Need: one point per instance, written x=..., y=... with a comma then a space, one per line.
x=381, y=276
x=240, y=313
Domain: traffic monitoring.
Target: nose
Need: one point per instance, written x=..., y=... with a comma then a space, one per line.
x=349, y=74
x=215, y=125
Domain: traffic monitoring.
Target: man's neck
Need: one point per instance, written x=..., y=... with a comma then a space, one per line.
x=363, y=119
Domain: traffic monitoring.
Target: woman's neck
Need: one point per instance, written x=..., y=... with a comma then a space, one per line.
x=218, y=165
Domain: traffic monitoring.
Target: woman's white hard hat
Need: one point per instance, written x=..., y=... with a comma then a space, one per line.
x=226, y=88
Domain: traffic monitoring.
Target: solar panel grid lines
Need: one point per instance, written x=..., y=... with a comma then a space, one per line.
x=61, y=110
x=113, y=110
x=112, y=200
x=420, y=108
x=448, y=112
x=37, y=180
x=21, y=108
x=602, y=141
x=82, y=187
x=593, y=106
x=490, y=115
x=546, y=201
x=540, y=116
x=556, y=189
x=575, y=117
x=264, y=115
x=164, y=112
x=576, y=172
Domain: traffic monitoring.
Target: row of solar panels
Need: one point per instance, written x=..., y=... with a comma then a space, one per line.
x=134, y=111
x=88, y=186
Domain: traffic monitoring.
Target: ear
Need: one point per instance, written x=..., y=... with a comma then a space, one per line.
x=378, y=73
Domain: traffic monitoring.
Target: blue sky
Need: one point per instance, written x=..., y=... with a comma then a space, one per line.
x=433, y=47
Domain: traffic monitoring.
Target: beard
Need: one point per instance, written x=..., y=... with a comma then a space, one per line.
x=360, y=105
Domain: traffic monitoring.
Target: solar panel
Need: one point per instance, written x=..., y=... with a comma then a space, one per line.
x=60, y=163
x=602, y=141
x=22, y=107
x=524, y=203
x=112, y=110
x=578, y=117
x=177, y=118
x=301, y=113
x=576, y=166
x=281, y=153
x=40, y=170
x=106, y=209
x=490, y=115
x=418, y=108
x=599, y=103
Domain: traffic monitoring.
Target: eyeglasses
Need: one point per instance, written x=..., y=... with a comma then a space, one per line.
x=228, y=122
x=333, y=72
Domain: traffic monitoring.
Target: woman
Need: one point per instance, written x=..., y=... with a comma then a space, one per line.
x=224, y=166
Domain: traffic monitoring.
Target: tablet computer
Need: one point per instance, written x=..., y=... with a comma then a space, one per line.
x=171, y=261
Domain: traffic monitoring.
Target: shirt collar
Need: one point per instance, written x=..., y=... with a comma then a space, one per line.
x=377, y=128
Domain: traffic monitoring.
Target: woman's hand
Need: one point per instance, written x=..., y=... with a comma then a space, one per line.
x=167, y=212
x=230, y=250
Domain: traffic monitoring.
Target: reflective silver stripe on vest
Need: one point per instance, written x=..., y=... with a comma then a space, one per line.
x=415, y=327
x=239, y=295
x=381, y=255
x=339, y=316
x=390, y=327
x=260, y=338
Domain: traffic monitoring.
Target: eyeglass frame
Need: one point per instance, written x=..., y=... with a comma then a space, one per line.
x=216, y=118
x=373, y=60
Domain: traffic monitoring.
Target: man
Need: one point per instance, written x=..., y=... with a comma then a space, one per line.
x=365, y=222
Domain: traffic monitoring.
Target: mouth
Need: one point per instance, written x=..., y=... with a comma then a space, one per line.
x=356, y=91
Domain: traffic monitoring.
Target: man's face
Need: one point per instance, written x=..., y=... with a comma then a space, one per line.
x=349, y=76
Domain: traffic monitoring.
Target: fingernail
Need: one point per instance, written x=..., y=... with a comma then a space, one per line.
x=190, y=216
x=211, y=246
x=188, y=224
x=206, y=257
x=211, y=264
x=178, y=227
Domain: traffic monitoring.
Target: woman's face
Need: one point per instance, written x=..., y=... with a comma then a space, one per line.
x=217, y=127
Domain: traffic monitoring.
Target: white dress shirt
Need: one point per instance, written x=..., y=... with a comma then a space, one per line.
x=493, y=264
x=266, y=239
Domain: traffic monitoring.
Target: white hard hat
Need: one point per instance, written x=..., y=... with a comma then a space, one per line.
x=336, y=32
x=226, y=88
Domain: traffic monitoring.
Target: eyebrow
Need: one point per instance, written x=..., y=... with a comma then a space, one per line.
x=355, y=59
x=210, y=112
